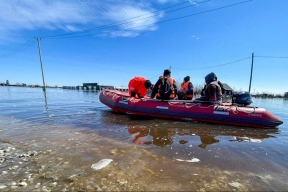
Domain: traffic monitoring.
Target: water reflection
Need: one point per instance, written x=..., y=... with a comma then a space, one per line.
x=160, y=136
x=207, y=140
x=204, y=136
x=46, y=104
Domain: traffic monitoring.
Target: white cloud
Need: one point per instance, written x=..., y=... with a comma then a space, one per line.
x=143, y=20
x=124, y=34
x=17, y=16
x=174, y=1
x=193, y=2
x=166, y=1
x=194, y=37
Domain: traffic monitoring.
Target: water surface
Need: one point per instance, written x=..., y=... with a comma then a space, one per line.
x=52, y=145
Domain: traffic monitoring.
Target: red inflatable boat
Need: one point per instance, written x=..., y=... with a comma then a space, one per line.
x=227, y=113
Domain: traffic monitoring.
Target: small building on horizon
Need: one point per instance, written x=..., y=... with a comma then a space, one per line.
x=102, y=87
x=90, y=86
x=124, y=89
x=96, y=86
x=286, y=95
x=227, y=89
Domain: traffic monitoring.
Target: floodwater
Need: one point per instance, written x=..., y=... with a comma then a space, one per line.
x=52, y=145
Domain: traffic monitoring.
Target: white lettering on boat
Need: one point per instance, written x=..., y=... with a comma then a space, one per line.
x=124, y=102
x=161, y=107
x=218, y=108
x=255, y=114
x=221, y=112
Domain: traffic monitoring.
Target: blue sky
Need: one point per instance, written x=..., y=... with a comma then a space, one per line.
x=111, y=41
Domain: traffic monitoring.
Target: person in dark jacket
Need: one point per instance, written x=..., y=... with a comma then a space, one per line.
x=212, y=92
x=156, y=89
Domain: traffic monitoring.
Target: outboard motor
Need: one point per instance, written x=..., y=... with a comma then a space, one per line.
x=242, y=98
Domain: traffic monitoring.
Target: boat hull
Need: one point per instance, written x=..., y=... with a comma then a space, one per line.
x=187, y=110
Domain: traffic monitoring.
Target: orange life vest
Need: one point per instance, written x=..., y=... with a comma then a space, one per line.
x=184, y=86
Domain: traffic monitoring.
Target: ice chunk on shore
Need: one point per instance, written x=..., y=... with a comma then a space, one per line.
x=101, y=164
x=235, y=184
x=190, y=161
x=193, y=160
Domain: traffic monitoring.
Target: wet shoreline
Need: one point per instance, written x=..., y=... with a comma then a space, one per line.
x=62, y=160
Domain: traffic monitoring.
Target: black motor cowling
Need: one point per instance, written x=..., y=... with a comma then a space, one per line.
x=243, y=98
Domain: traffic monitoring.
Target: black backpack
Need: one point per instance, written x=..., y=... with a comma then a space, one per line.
x=165, y=88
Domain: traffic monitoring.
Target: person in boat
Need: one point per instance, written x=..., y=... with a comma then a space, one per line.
x=186, y=90
x=204, y=88
x=138, y=86
x=213, y=91
x=165, y=88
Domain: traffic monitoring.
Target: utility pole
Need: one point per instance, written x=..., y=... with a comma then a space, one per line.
x=39, y=50
x=251, y=72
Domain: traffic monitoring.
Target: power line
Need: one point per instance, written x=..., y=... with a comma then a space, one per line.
x=126, y=21
x=177, y=18
x=30, y=42
x=18, y=49
x=215, y=65
x=275, y=57
x=211, y=10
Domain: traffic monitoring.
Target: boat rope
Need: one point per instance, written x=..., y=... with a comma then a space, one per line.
x=131, y=101
x=105, y=92
x=173, y=102
x=234, y=111
x=199, y=104
x=238, y=109
x=191, y=105
x=114, y=96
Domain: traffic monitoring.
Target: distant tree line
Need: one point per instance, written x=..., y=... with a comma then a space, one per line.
x=25, y=85
x=197, y=89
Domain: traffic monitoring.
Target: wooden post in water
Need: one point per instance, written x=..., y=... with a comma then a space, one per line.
x=251, y=72
x=39, y=50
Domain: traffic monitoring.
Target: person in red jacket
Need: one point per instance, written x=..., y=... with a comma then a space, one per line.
x=138, y=86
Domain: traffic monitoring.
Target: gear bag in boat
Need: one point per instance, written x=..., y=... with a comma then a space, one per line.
x=165, y=88
x=182, y=95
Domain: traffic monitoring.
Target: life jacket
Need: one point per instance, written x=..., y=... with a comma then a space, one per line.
x=218, y=98
x=172, y=94
x=185, y=87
